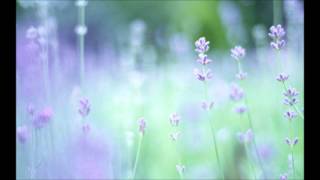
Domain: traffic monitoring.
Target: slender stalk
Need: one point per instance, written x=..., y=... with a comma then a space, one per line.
x=291, y=149
x=213, y=134
x=137, y=157
x=250, y=162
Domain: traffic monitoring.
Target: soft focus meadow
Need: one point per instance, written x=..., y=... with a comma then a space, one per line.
x=159, y=89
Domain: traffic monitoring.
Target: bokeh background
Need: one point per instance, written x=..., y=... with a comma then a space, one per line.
x=138, y=62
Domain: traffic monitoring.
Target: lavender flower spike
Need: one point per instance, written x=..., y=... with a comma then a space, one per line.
x=22, y=134
x=202, y=75
x=276, y=32
x=238, y=52
x=241, y=75
x=84, y=108
x=291, y=92
x=43, y=118
x=236, y=93
x=202, y=45
x=282, y=77
x=293, y=142
x=240, y=109
x=207, y=105
x=142, y=125
x=174, y=119
x=203, y=59
x=290, y=115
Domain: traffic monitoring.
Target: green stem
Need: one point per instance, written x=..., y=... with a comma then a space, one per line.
x=291, y=148
x=137, y=156
x=250, y=162
x=213, y=133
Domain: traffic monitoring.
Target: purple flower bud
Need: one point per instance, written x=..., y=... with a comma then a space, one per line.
x=284, y=177
x=202, y=45
x=290, y=101
x=202, y=75
x=240, y=109
x=142, y=125
x=295, y=141
x=22, y=134
x=174, y=119
x=277, y=45
x=30, y=109
x=246, y=137
x=276, y=32
x=86, y=128
x=290, y=115
x=291, y=92
x=282, y=77
x=32, y=33
x=238, y=52
x=203, y=59
x=174, y=136
x=236, y=93
x=207, y=105
x=241, y=75
x=84, y=108
x=288, y=141
x=43, y=118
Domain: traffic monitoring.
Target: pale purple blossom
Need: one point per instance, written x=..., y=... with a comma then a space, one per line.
x=43, y=118
x=276, y=32
x=290, y=115
x=86, y=128
x=291, y=92
x=202, y=45
x=278, y=44
x=202, y=75
x=142, y=125
x=246, y=137
x=241, y=75
x=22, y=134
x=293, y=142
x=240, y=109
x=203, y=59
x=236, y=93
x=282, y=77
x=207, y=105
x=84, y=108
x=290, y=101
x=238, y=52
x=174, y=119
x=284, y=177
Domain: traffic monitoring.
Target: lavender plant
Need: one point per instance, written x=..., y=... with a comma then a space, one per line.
x=277, y=34
x=202, y=46
x=142, y=127
x=237, y=94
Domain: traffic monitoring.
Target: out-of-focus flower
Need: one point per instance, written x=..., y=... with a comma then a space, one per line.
x=180, y=168
x=43, y=118
x=142, y=125
x=202, y=45
x=290, y=101
x=293, y=142
x=22, y=134
x=81, y=3
x=283, y=177
x=207, y=105
x=203, y=74
x=236, y=93
x=174, y=119
x=203, y=59
x=241, y=75
x=32, y=33
x=282, y=77
x=86, y=128
x=290, y=115
x=238, y=52
x=240, y=109
x=175, y=135
x=246, y=137
x=84, y=108
x=278, y=44
x=81, y=30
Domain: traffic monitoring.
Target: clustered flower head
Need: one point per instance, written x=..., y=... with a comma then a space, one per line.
x=282, y=77
x=202, y=75
x=293, y=142
x=142, y=125
x=207, y=105
x=174, y=119
x=43, y=118
x=202, y=45
x=22, y=134
x=236, y=93
x=290, y=96
x=246, y=137
x=84, y=108
x=238, y=52
x=203, y=59
x=290, y=115
x=277, y=33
